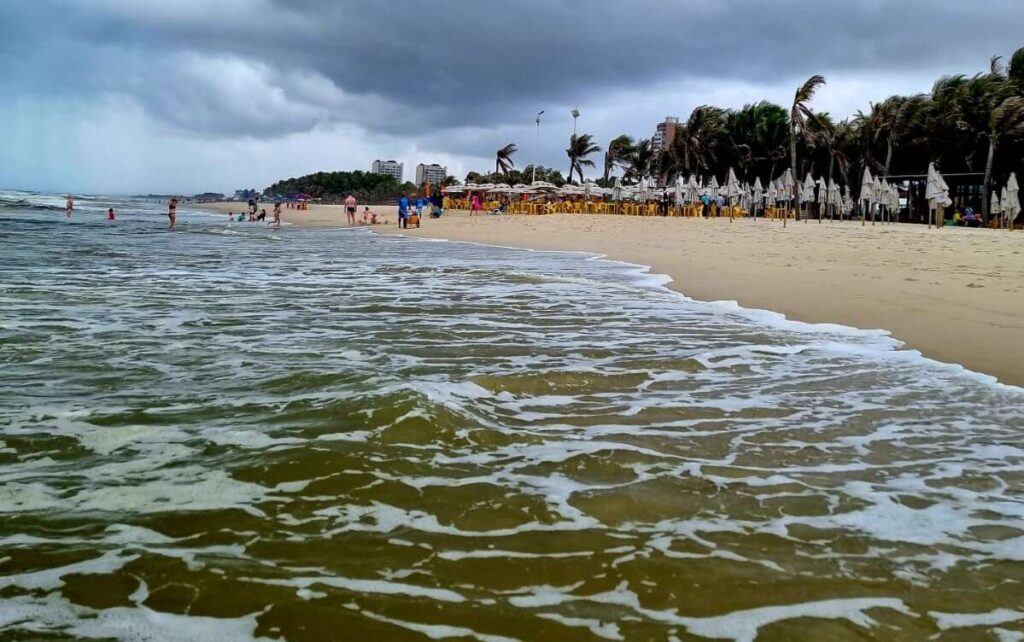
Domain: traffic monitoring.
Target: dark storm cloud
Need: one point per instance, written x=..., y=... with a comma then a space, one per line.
x=269, y=67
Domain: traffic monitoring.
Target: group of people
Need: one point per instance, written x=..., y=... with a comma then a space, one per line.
x=260, y=217
x=69, y=207
x=408, y=216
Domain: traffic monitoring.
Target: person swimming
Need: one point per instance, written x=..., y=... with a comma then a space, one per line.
x=172, y=211
x=110, y=214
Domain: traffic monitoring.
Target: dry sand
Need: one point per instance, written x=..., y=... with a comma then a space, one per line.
x=957, y=295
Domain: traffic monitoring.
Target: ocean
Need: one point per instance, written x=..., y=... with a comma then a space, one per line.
x=234, y=432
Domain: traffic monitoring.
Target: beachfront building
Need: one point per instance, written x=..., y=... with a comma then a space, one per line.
x=390, y=168
x=665, y=133
x=433, y=174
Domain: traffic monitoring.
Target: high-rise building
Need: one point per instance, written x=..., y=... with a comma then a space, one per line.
x=664, y=134
x=433, y=174
x=388, y=168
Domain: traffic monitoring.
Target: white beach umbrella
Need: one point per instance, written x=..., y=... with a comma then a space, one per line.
x=680, y=184
x=758, y=195
x=867, y=191
x=617, y=189
x=454, y=189
x=1011, y=194
x=996, y=207
x=732, y=186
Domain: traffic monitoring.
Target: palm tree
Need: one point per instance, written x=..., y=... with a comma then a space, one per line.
x=802, y=119
x=1007, y=120
x=698, y=137
x=640, y=162
x=503, y=159
x=616, y=154
x=580, y=146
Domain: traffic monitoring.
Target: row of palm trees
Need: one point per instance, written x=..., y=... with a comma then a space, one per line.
x=966, y=124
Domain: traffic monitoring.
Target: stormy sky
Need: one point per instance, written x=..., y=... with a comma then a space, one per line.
x=127, y=96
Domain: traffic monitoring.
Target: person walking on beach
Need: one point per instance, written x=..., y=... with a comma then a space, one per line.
x=403, y=210
x=69, y=206
x=350, y=209
x=172, y=211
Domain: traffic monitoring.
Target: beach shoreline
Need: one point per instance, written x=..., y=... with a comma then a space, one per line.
x=955, y=295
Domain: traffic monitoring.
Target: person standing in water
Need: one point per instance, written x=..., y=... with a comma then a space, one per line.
x=277, y=214
x=172, y=211
x=69, y=206
x=403, y=209
x=110, y=214
x=350, y=209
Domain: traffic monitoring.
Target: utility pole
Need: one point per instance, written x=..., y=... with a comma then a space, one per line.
x=536, y=146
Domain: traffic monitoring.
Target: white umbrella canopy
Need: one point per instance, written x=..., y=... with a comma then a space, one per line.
x=454, y=189
x=1011, y=193
x=543, y=186
x=822, y=191
x=711, y=187
x=732, y=186
x=680, y=184
x=867, y=186
x=996, y=207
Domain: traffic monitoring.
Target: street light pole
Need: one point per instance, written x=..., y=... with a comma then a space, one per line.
x=536, y=146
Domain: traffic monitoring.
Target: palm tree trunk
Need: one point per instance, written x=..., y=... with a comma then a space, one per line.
x=888, y=158
x=988, y=177
x=796, y=176
x=831, y=163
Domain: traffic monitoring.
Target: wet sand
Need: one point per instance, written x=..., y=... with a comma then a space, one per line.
x=957, y=295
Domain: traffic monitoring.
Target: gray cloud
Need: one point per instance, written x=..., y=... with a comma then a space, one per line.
x=269, y=68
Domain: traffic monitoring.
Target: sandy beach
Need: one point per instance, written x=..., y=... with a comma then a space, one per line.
x=957, y=295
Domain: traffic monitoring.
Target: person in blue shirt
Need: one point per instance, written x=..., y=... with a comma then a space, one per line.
x=420, y=204
x=403, y=209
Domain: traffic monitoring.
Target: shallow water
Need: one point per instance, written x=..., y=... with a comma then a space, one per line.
x=234, y=432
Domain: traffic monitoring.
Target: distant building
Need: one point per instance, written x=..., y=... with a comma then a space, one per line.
x=388, y=168
x=433, y=174
x=664, y=134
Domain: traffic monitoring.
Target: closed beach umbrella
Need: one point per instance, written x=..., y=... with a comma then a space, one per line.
x=679, y=190
x=758, y=196
x=867, y=192
x=1011, y=196
x=996, y=208
x=789, y=191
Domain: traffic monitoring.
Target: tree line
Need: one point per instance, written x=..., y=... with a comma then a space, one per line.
x=367, y=187
x=966, y=124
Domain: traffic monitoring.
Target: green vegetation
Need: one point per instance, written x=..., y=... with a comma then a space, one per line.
x=335, y=186
x=964, y=125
